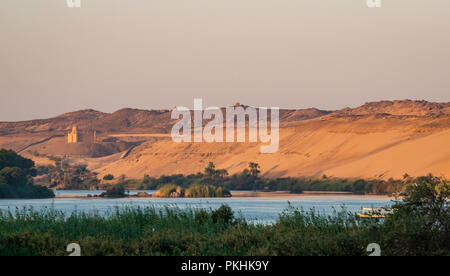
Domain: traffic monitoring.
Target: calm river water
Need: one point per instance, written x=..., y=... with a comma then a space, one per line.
x=259, y=209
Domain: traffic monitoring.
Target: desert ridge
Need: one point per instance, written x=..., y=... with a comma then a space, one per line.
x=380, y=140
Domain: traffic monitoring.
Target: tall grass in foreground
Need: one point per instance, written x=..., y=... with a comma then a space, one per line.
x=418, y=225
x=189, y=232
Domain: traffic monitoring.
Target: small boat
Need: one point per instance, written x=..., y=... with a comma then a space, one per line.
x=374, y=212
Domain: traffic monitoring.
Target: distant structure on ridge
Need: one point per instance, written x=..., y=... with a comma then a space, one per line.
x=75, y=136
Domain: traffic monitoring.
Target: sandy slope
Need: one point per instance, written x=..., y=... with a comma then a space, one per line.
x=417, y=156
x=376, y=140
x=361, y=146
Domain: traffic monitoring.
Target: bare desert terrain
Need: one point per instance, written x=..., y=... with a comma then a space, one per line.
x=377, y=140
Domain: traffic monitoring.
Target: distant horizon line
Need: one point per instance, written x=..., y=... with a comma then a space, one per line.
x=169, y=109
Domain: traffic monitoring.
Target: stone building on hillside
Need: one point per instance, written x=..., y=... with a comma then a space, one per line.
x=72, y=137
x=76, y=136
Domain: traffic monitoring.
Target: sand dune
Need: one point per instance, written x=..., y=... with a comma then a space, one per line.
x=376, y=140
x=368, y=147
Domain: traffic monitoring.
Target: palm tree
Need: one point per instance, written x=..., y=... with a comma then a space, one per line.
x=222, y=173
x=210, y=170
x=254, y=169
x=254, y=172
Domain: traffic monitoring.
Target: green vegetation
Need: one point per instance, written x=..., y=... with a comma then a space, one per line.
x=419, y=225
x=170, y=190
x=250, y=179
x=421, y=221
x=66, y=176
x=194, y=191
x=16, y=179
x=114, y=192
x=77, y=177
x=108, y=177
x=206, y=191
x=209, y=184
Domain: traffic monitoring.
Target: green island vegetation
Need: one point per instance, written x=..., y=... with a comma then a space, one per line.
x=418, y=225
x=115, y=191
x=78, y=177
x=16, y=177
x=250, y=180
x=211, y=182
x=62, y=175
x=193, y=191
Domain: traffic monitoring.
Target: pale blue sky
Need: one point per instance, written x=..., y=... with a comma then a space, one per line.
x=111, y=54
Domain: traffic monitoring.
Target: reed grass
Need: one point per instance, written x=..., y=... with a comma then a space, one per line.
x=169, y=231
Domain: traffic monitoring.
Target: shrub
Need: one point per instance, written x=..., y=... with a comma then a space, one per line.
x=420, y=224
x=170, y=190
x=415, y=228
x=16, y=175
x=202, y=217
x=224, y=214
x=108, y=177
x=114, y=191
x=296, y=189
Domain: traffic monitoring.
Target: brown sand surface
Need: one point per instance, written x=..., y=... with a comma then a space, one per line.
x=376, y=140
x=367, y=148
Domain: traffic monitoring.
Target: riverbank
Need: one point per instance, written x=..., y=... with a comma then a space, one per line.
x=304, y=225
x=240, y=194
x=245, y=194
x=211, y=232
x=264, y=209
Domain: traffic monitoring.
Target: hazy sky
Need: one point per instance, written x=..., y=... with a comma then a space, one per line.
x=111, y=54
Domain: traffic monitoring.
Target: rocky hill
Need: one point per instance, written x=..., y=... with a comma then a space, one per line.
x=126, y=120
x=405, y=107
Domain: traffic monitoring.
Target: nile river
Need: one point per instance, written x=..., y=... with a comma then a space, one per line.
x=258, y=209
